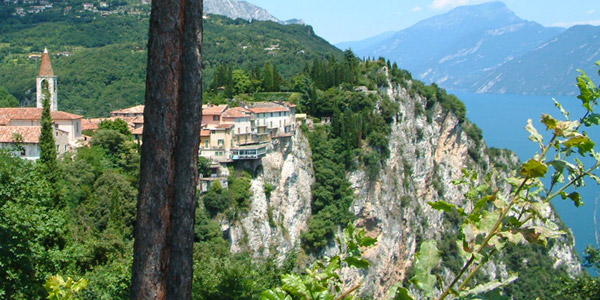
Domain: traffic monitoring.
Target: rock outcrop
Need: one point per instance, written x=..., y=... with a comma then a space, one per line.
x=272, y=226
x=429, y=149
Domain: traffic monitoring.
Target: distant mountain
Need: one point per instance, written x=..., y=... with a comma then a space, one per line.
x=237, y=9
x=363, y=45
x=458, y=48
x=550, y=68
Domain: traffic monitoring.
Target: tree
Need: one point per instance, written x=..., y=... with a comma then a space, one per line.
x=6, y=99
x=46, y=142
x=164, y=233
x=118, y=125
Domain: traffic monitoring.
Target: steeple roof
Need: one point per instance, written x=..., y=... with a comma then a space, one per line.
x=46, y=68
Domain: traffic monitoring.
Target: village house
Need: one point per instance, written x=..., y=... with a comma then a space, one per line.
x=136, y=111
x=21, y=127
x=275, y=119
x=211, y=114
x=24, y=140
x=227, y=134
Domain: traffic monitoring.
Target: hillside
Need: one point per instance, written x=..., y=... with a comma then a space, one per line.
x=458, y=48
x=106, y=70
x=549, y=69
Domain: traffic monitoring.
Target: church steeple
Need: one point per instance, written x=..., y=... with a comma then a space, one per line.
x=46, y=68
x=46, y=77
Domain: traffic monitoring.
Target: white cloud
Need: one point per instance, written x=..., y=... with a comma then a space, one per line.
x=442, y=4
x=449, y=4
x=591, y=11
x=416, y=9
x=570, y=24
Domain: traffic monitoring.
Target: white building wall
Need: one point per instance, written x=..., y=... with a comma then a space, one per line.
x=52, y=85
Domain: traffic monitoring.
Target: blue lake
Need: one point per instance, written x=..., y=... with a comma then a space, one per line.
x=503, y=118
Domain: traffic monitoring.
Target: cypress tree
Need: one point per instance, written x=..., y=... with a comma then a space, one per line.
x=276, y=79
x=46, y=143
x=268, y=78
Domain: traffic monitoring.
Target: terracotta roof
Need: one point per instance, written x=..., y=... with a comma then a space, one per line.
x=138, y=120
x=138, y=131
x=226, y=126
x=46, y=68
x=31, y=113
x=30, y=134
x=90, y=124
x=139, y=109
x=213, y=110
x=237, y=112
x=259, y=110
x=204, y=132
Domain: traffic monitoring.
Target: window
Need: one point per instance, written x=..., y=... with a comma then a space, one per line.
x=221, y=142
x=205, y=143
x=238, y=130
x=271, y=114
x=215, y=118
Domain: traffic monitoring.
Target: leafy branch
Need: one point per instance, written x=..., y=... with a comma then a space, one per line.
x=322, y=280
x=524, y=214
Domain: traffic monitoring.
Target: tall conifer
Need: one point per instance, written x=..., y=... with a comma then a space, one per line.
x=47, y=144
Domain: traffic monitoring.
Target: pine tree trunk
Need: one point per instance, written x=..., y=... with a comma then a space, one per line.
x=163, y=250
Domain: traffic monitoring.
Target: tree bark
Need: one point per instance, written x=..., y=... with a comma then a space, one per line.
x=163, y=248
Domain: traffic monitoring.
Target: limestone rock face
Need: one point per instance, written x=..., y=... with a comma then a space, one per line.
x=237, y=9
x=429, y=149
x=273, y=224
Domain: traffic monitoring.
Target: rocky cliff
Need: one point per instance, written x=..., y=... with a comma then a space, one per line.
x=429, y=148
x=275, y=219
x=237, y=9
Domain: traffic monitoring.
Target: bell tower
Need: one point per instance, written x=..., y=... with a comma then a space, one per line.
x=46, y=77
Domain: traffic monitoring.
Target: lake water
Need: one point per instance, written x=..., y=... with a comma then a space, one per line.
x=503, y=118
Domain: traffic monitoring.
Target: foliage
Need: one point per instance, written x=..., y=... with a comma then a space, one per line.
x=521, y=217
x=584, y=286
x=323, y=279
x=218, y=274
x=239, y=188
x=117, y=125
x=106, y=70
x=331, y=192
x=32, y=230
x=6, y=99
x=47, y=145
x=216, y=200
x=204, y=166
x=268, y=189
x=59, y=289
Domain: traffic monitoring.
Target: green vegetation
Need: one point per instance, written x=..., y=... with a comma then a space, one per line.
x=117, y=125
x=59, y=289
x=518, y=226
x=6, y=99
x=80, y=223
x=323, y=280
x=107, y=68
x=46, y=142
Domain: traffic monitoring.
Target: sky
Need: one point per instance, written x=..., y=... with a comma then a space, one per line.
x=353, y=20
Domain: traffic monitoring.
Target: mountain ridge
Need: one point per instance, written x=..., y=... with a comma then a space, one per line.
x=468, y=47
